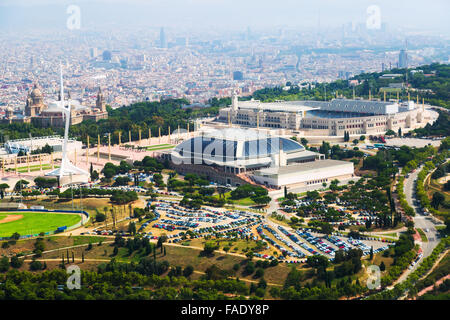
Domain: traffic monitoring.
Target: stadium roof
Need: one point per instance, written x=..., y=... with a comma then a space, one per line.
x=301, y=168
x=335, y=105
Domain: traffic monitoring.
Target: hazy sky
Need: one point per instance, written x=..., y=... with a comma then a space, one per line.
x=225, y=14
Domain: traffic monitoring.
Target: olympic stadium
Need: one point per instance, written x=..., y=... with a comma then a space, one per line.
x=328, y=118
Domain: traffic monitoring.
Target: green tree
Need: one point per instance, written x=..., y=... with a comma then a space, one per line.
x=16, y=262
x=390, y=133
x=209, y=247
x=132, y=228
x=15, y=236
x=326, y=228
x=21, y=184
x=4, y=264
x=100, y=217
x=3, y=188
x=437, y=200
x=188, y=270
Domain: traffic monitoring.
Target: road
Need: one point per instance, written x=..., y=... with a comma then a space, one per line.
x=420, y=221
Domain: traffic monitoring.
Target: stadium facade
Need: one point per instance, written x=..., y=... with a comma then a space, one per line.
x=326, y=118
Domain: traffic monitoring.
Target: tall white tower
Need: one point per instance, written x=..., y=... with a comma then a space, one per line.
x=66, y=168
x=234, y=102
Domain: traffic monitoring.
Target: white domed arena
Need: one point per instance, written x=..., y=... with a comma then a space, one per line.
x=240, y=150
x=238, y=156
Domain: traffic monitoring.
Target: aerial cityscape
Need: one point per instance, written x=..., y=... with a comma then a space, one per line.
x=195, y=150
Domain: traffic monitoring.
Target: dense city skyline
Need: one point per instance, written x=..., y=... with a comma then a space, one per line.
x=230, y=15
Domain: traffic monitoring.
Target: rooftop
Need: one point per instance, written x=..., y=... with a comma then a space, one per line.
x=335, y=105
x=302, y=168
x=282, y=106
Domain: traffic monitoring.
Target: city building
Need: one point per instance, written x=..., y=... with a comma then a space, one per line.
x=238, y=75
x=32, y=144
x=326, y=118
x=162, y=39
x=403, y=59
x=107, y=55
x=241, y=156
x=309, y=175
x=43, y=115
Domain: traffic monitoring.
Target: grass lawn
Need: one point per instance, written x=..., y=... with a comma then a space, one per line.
x=176, y=256
x=36, y=222
x=393, y=235
x=77, y=240
x=283, y=222
x=35, y=168
x=432, y=186
x=441, y=269
x=160, y=147
x=422, y=235
x=91, y=205
x=241, y=202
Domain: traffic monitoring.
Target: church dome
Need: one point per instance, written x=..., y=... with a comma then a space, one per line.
x=36, y=93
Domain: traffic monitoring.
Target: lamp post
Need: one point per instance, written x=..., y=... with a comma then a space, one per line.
x=87, y=151
x=98, y=148
x=109, y=146
x=71, y=189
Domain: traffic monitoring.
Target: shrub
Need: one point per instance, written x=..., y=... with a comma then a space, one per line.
x=35, y=265
x=259, y=273
x=100, y=217
x=188, y=270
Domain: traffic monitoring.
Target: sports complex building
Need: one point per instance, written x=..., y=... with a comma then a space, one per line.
x=239, y=156
x=327, y=118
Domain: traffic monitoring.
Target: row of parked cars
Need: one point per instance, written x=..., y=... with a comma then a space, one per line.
x=269, y=240
x=104, y=232
x=179, y=224
x=359, y=244
x=146, y=223
x=194, y=219
x=317, y=242
x=415, y=261
x=338, y=243
x=292, y=252
x=233, y=224
x=294, y=239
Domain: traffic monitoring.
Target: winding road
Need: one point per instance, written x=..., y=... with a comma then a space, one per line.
x=420, y=221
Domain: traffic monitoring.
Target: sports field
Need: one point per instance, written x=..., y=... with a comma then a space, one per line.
x=26, y=223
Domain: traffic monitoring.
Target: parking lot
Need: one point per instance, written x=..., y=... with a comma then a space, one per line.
x=412, y=142
x=175, y=221
x=293, y=246
x=348, y=214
